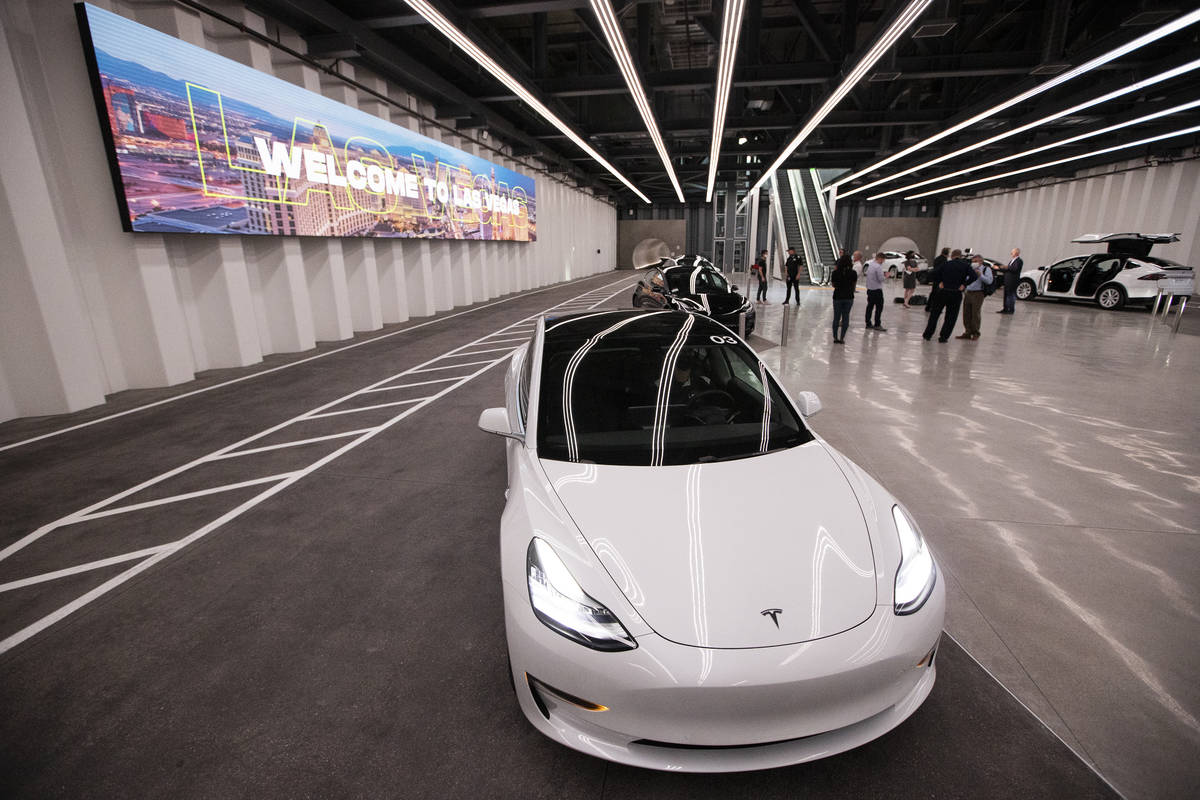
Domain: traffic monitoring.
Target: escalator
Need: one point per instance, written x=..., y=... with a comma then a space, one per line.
x=818, y=213
x=792, y=237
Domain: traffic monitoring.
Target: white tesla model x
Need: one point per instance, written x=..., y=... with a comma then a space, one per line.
x=693, y=579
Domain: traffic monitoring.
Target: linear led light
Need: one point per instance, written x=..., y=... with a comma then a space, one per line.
x=1114, y=148
x=620, y=51
x=907, y=17
x=444, y=26
x=1024, y=153
x=731, y=29
x=1153, y=36
x=1162, y=76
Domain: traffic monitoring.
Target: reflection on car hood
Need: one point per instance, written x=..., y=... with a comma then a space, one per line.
x=705, y=551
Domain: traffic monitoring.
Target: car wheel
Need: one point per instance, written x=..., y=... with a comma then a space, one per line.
x=891, y=273
x=1111, y=297
x=1026, y=290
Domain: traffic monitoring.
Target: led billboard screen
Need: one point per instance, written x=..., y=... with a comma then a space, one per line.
x=203, y=144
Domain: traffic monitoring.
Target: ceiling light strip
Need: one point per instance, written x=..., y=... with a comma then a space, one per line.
x=731, y=29
x=620, y=50
x=1166, y=30
x=1113, y=149
x=907, y=17
x=1052, y=145
x=1162, y=76
x=444, y=26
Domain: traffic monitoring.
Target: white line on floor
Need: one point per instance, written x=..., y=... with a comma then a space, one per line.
x=450, y=366
x=66, y=610
x=289, y=365
x=176, y=498
x=407, y=385
x=363, y=408
x=282, y=445
x=91, y=565
x=481, y=352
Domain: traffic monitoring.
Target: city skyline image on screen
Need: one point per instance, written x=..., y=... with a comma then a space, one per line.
x=202, y=144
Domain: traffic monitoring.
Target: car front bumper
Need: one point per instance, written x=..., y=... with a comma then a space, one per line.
x=674, y=707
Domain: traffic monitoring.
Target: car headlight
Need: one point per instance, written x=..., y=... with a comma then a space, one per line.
x=565, y=608
x=917, y=573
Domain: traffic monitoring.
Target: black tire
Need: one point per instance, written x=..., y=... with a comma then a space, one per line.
x=1026, y=289
x=1111, y=297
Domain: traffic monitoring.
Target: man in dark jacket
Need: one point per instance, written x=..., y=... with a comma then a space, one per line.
x=948, y=282
x=793, y=264
x=843, y=259
x=844, y=279
x=1012, y=276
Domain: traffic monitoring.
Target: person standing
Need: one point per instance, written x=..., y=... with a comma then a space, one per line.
x=942, y=258
x=910, y=276
x=948, y=282
x=844, y=280
x=1012, y=276
x=792, y=265
x=973, y=298
x=875, y=277
x=843, y=259
x=760, y=270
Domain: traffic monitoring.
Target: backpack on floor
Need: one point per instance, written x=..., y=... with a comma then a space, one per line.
x=918, y=300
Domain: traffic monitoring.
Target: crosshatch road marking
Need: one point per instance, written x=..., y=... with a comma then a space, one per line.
x=278, y=482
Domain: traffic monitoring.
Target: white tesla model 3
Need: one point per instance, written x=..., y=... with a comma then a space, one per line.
x=693, y=579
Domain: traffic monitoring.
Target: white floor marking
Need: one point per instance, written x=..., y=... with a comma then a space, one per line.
x=91, y=565
x=278, y=486
x=451, y=366
x=177, y=498
x=522, y=340
x=406, y=385
x=282, y=445
x=363, y=408
x=233, y=381
x=481, y=352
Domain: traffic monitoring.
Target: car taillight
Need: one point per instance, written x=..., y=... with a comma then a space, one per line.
x=1153, y=276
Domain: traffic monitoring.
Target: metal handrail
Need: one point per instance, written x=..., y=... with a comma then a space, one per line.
x=825, y=217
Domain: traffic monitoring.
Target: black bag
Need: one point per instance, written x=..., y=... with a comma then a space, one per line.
x=989, y=289
x=918, y=300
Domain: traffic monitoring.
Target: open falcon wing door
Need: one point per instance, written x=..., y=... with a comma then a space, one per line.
x=1129, y=244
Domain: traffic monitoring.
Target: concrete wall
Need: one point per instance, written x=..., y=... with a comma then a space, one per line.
x=649, y=240
x=87, y=309
x=874, y=231
x=1042, y=220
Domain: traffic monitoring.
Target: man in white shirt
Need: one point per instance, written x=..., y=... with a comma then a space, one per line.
x=875, y=277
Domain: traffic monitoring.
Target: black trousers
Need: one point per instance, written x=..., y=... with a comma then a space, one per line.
x=949, y=300
x=874, y=301
x=792, y=281
x=1010, y=297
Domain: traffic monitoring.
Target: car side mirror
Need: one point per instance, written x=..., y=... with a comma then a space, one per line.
x=734, y=288
x=495, y=420
x=809, y=403
x=1040, y=268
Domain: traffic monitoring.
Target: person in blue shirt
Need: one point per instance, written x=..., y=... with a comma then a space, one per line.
x=948, y=282
x=973, y=298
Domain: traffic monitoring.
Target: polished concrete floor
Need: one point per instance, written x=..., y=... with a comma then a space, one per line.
x=1054, y=464
x=327, y=623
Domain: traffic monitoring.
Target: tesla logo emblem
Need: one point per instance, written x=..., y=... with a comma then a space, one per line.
x=773, y=613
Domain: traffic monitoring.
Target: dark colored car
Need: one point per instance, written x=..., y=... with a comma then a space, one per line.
x=700, y=289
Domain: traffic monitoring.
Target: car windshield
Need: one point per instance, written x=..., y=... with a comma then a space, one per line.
x=656, y=389
x=708, y=281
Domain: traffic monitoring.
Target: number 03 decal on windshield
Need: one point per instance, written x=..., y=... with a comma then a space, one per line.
x=723, y=339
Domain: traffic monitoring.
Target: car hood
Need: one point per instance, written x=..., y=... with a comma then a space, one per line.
x=705, y=552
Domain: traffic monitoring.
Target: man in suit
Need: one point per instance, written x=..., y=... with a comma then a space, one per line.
x=1012, y=276
x=948, y=282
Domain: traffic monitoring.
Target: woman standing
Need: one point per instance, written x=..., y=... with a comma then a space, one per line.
x=844, y=278
x=910, y=276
